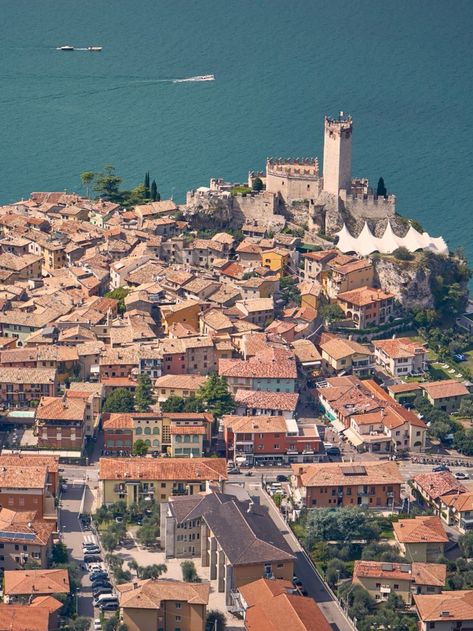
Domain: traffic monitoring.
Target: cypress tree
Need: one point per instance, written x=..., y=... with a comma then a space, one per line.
x=381, y=189
x=154, y=191
x=146, y=184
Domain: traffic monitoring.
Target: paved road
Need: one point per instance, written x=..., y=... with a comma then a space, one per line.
x=73, y=538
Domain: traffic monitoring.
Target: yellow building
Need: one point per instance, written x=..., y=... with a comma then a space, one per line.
x=276, y=259
x=421, y=539
x=187, y=440
x=186, y=312
x=310, y=294
x=178, y=386
x=132, y=479
x=338, y=278
x=164, y=605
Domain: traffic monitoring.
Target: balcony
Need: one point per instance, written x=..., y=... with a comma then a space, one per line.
x=385, y=589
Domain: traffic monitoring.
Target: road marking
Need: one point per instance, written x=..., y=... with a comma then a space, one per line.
x=90, y=539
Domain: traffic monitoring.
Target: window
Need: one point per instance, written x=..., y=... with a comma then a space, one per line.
x=178, y=605
x=138, y=431
x=178, y=618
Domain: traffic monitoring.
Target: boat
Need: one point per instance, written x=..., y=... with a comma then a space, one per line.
x=205, y=77
x=94, y=49
x=65, y=48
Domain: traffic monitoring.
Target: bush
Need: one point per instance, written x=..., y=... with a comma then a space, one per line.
x=189, y=572
x=403, y=254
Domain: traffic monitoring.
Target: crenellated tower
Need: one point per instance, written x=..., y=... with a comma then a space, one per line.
x=337, y=154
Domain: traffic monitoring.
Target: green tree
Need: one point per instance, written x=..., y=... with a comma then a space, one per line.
x=257, y=184
x=214, y=394
x=144, y=393
x=110, y=541
x=148, y=532
x=119, y=400
x=215, y=621
x=107, y=184
x=140, y=448
x=146, y=185
x=463, y=441
x=344, y=525
x=155, y=196
x=331, y=312
x=87, y=177
x=189, y=572
x=466, y=544
x=119, y=294
x=180, y=404
x=151, y=571
x=403, y=254
x=77, y=624
x=381, y=188
x=59, y=553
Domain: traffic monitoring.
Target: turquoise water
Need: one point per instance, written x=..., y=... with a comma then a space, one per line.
x=403, y=70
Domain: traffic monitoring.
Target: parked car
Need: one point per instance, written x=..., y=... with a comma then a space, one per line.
x=234, y=471
x=100, y=591
x=119, y=519
x=92, y=558
x=296, y=581
x=440, y=467
x=97, y=624
x=333, y=451
x=460, y=475
x=282, y=478
x=101, y=582
x=109, y=606
x=64, y=487
x=91, y=550
x=459, y=357
x=98, y=575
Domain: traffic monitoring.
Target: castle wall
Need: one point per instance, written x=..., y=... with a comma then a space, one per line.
x=261, y=208
x=370, y=206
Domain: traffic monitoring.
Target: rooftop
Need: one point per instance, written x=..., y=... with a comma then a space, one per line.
x=26, y=582
x=420, y=530
x=204, y=469
x=346, y=473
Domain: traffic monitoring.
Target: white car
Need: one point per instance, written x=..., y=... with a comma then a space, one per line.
x=97, y=624
x=460, y=475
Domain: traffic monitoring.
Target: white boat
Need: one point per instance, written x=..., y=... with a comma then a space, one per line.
x=65, y=48
x=205, y=77
x=94, y=49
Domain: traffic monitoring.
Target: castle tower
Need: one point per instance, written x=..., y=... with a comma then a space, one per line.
x=337, y=154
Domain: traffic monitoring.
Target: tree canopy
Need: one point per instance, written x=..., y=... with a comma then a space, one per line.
x=215, y=396
x=119, y=400
x=144, y=393
x=140, y=448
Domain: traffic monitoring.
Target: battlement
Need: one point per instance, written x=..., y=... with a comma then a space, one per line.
x=293, y=167
x=369, y=206
x=336, y=125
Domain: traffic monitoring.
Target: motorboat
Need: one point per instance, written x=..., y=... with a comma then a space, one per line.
x=94, y=49
x=65, y=48
x=205, y=77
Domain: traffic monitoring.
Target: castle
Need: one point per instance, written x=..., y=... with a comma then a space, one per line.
x=334, y=198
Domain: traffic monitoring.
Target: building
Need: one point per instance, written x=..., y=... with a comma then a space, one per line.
x=445, y=395
x=23, y=538
x=29, y=617
x=421, y=539
x=185, y=312
x=254, y=440
x=458, y=511
x=131, y=479
x=347, y=356
x=328, y=485
x=20, y=268
x=117, y=434
x=276, y=259
x=344, y=276
x=366, y=306
x=337, y=154
x=20, y=585
x=61, y=423
x=435, y=487
x=182, y=386
x=187, y=440
x=212, y=527
x=447, y=611
x=258, y=402
x=273, y=369
x=381, y=579
x=164, y=605
x=29, y=484
x=19, y=387
x=275, y=605
x=401, y=356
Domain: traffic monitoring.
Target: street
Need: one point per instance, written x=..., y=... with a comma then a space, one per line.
x=73, y=537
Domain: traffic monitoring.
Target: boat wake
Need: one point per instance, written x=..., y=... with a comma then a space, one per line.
x=205, y=77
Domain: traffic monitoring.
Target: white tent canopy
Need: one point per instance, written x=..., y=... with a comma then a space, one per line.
x=366, y=243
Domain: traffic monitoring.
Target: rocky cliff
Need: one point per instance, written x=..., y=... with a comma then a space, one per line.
x=425, y=281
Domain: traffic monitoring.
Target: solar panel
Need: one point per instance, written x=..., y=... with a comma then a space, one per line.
x=28, y=536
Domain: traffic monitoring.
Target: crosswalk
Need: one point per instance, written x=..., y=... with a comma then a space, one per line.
x=90, y=538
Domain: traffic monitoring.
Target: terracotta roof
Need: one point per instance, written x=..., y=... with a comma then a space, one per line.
x=364, y=296
x=39, y=582
x=445, y=607
x=272, y=606
x=118, y=421
x=306, y=351
x=259, y=399
x=461, y=503
x=351, y=266
x=399, y=388
x=163, y=469
x=24, y=459
x=189, y=416
x=272, y=364
x=419, y=573
x=150, y=594
x=444, y=389
x=420, y=530
x=400, y=347
x=27, y=375
x=215, y=319
x=28, y=476
x=17, y=526
x=15, y=617
x=185, y=382
x=58, y=408
x=255, y=424
x=48, y=602
x=437, y=484
x=347, y=473
x=321, y=255
x=338, y=347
